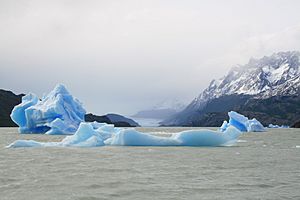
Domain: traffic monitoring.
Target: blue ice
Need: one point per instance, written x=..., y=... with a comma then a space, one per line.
x=57, y=113
x=96, y=134
x=85, y=136
x=242, y=123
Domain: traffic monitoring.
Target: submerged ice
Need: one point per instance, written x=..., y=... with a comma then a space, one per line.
x=57, y=113
x=242, y=123
x=98, y=134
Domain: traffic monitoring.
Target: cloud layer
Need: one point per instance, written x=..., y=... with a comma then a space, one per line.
x=121, y=56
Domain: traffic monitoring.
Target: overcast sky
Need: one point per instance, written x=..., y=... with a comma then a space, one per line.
x=122, y=56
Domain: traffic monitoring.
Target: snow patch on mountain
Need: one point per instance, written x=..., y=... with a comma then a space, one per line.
x=278, y=74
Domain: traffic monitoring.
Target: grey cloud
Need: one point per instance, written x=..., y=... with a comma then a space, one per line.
x=120, y=56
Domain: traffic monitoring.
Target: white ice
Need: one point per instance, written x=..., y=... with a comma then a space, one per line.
x=277, y=126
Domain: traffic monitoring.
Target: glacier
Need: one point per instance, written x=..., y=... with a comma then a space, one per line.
x=242, y=123
x=56, y=113
x=93, y=134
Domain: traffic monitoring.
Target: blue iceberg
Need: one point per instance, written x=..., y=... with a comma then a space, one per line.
x=57, y=113
x=131, y=137
x=242, y=123
x=99, y=134
x=85, y=136
x=208, y=137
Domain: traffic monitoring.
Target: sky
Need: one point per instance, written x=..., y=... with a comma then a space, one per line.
x=122, y=56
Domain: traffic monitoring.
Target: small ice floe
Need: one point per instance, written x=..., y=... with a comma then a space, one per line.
x=277, y=126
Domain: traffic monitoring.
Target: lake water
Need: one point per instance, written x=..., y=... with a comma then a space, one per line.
x=260, y=166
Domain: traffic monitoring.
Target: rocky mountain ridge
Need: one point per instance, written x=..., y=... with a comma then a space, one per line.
x=277, y=75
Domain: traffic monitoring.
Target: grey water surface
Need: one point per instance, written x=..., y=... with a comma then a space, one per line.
x=260, y=166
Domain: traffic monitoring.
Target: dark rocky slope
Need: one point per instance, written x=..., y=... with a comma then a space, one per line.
x=296, y=125
x=8, y=100
x=117, y=120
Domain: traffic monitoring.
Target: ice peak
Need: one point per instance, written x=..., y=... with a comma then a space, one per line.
x=60, y=89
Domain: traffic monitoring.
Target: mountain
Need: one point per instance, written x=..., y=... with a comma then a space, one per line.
x=296, y=125
x=161, y=110
x=117, y=120
x=266, y=88
x=8, y=100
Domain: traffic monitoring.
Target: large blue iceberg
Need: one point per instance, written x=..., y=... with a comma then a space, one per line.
x=242, y=123
x=57, y=113
x=99, y=134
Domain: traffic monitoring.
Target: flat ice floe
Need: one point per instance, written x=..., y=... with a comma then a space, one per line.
x=97, y=134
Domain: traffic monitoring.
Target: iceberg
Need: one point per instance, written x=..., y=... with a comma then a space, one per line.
x=98, y=134
x=57, y=113
x=224, y=126
x=208, y=137
x=255, y=126
x=242, y=123
x=85, y=136
x=131, y=137
x=277, y=126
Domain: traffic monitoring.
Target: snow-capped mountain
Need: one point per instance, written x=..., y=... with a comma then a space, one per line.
x=278, y=74
x=270, y=76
